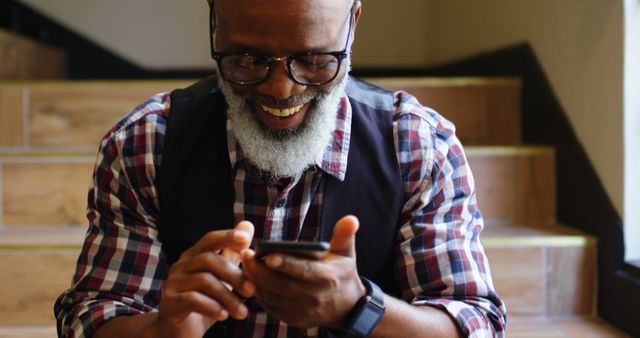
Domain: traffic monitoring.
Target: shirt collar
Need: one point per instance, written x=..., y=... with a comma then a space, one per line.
x=335, y=155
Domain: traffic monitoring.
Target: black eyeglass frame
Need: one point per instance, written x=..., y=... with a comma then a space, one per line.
x=219, y=56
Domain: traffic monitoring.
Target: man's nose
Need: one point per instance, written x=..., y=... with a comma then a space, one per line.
x=279, y=85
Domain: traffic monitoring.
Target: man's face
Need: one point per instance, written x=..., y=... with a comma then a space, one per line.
x=283, y=126
x=280, y=28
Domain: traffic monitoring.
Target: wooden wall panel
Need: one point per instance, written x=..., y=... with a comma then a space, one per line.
x=42, y=193
x=24, y=59
x=30, y=284
x=11, y=117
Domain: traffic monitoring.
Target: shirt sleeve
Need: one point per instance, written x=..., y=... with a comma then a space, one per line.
x=121, y=268
x=441, y=260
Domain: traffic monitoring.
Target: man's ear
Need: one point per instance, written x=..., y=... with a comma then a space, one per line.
x=356, y=13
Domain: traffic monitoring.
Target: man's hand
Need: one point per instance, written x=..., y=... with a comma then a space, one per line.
x=199, y=285
x=306, y=292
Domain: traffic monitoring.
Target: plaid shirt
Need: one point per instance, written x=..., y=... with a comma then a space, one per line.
x=441, y=262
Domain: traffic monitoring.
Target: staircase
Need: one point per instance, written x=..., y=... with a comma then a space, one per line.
x=49, y=133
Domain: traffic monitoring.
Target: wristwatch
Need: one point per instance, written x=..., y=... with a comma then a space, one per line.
x=367, y=312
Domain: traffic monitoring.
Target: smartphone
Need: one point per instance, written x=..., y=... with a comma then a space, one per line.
x=313, y=250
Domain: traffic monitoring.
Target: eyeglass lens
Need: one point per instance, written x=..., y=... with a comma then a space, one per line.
x=307, y=69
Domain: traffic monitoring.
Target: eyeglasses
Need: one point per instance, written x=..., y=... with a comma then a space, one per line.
x=306, y=68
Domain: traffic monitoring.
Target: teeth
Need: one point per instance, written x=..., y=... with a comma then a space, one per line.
x=282, y=112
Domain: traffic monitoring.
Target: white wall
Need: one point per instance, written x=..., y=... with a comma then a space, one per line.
x=174, y=34
x=579, y=44
x=632, y=128
x=391, y=33
x=150, y=33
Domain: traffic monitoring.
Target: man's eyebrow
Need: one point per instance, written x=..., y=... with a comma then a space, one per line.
x=242, y=49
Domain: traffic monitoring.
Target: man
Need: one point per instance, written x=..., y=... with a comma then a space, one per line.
x=283, y=145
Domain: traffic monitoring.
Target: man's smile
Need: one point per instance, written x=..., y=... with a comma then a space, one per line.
x=282, y=112
x=282, y=118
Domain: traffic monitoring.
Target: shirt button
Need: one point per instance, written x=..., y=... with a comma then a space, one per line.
x=281, y=203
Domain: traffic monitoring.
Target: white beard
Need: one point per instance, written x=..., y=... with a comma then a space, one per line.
x=284, y=153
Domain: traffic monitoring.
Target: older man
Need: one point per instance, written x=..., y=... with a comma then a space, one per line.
x=283, y=144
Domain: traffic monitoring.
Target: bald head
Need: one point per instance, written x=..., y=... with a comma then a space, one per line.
x=282, y=27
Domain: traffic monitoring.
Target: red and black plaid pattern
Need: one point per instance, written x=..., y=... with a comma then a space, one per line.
x=441, y=262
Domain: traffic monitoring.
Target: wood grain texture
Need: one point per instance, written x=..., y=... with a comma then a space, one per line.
x=519, y=279
x=30, y=284
x=22, y=58
x=571, y=281
x=26, y=237
x=11, y=117
x=484, y=112
x=45, y=193
x=569, y=328
x=28, y=332
x=516, y=187
x=79, y=115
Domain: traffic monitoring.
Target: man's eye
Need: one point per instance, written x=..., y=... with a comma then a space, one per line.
x=250, y=62
x=316, y=61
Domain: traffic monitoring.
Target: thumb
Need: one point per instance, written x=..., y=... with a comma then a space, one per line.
x=343, y=241
x=244, y=233
x=247, y=227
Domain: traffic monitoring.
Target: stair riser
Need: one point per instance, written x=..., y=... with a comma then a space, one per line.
x=73, y=114
x=44, y=193
x=30, y=282
x=77, y=114
x=515, y=189
x=484, y=114
x=11, y=118
x=23, y=58
x=534, y=281
x=545, y=281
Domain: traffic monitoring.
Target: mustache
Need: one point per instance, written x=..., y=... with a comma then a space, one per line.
x=267, y=100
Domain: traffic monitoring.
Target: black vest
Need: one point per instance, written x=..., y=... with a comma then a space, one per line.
x=195, y=178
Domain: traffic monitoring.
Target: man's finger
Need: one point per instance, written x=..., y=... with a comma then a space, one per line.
x=343, y=241
x=218, y=266
x=299, y=268
x=232, y=253
x=216, y=241
x=213, y=288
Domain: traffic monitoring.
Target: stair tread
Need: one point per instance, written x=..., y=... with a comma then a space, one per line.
x=521, y=327
x=86, y=153
x=512, y=230
x=548, y=235
x=73, y=236
x=25, y=237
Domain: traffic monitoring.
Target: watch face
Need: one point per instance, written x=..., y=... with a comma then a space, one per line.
x=369, y=318
x=367, y=312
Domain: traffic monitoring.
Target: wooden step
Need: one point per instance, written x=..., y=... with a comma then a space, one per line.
x=562, y=328
x=71, y=113
x=486, y=111
x=543, y=271
x=515, y=185
x=44, y=188
x=518, y=328
x=37, y=264
x=22, y=58
x=28, y=332
x=77, y=113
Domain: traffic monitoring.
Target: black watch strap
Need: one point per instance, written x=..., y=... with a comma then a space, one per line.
x=367, y=312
